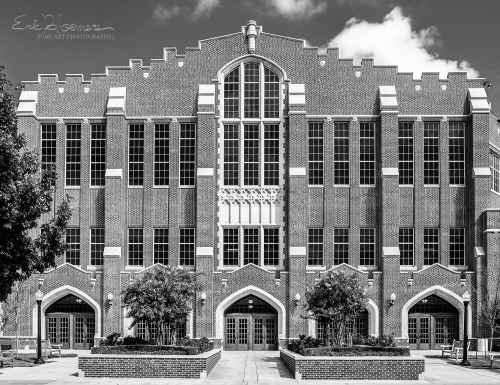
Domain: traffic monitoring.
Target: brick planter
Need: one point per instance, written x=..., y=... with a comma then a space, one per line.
x=352, y=368
x=148, y=366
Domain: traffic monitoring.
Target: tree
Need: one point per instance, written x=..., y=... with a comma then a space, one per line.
x=25, y=195
x=162, y=297
x=490, y=307
x=13, y=306
x=334, y=301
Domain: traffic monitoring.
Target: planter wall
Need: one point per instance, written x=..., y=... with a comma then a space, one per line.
x=352, y=368
x=148, y=366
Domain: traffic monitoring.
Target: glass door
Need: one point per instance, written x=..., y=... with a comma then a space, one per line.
x=419, y=332
x=237, y=333
x=264, y=333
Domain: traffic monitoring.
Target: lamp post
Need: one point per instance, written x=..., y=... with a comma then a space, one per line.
x=39, y=297
x=466, y=299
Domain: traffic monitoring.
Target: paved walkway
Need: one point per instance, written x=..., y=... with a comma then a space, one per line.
x=245, y=368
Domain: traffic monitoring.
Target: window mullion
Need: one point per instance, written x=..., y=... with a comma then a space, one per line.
x=242, y=91
x=261, y=92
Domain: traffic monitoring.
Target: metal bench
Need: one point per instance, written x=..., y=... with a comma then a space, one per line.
x=49, y=348
x=494, y=357
x=6, y=359
x=454, y=350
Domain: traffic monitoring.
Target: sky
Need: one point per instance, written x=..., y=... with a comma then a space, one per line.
x=416, y=35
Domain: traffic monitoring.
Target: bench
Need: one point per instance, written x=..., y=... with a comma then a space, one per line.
x=454, y=349
x=49, y=348
x=494, y=357
x=6, y=359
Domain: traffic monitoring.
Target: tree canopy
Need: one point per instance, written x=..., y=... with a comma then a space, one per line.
x=26, y=193
x=333, y=301
x=162, y=297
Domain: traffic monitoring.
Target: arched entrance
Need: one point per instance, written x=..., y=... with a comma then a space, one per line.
x=251, y=324
x=432, y=322
x=70, y=322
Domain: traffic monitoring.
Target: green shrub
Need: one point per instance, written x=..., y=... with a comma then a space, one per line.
x=146, y=349
x=112, y=340
x=203, y=344
x=304, y=342
x=383, y=340
x=360, y=351
x=130, y=340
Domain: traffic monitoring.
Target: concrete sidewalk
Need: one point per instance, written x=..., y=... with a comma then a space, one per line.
x=245, y=368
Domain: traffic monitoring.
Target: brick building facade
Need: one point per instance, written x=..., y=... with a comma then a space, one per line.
x=262, y=163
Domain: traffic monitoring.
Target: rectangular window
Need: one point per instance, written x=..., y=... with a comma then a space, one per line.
x=96, y=247
x=251, y=155
x=49, y=145
x=97, y=154
x=162, y=154
x=271, y=246
x=457, y=153
x=231, y=154
x=406, y=246
x=457, y=247
x=341, y=153
x=135, y=247
x=232, y=94
x=315, y=247
x=431, y=153
x=367, y=247
x=73, y=241
x=251, y=246
x=160, y=246
x=405, y=145
x=316, y=155
x=136, y=155
x=73, y=154
x=231, y=247
x=431, y=246
x=251, y=94
x=186, y=247
x=187, y=155
x=495, y=172
x=271, y=94
x=340, y=246
x=367, y=153
x=271, y=154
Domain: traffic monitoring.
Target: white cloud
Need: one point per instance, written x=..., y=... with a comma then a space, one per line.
x=164, y=12
x=394, y=42
x=204, y=8
x=296, y=8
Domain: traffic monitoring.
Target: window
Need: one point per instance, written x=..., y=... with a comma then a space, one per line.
x=431, y=246
x=457, y=153
x=73, y=154
x=187, y=155
x=315, y=247
x=367, y=153
x=315, y=140
x=135, y=247
x=160, y=246
x=97, y=154
x=366, y=247
x=405, y=145
x=340, y=246
x=186, y=247
x=406, y=246
x=271, y=154
x=341, y=153
x=256, y=88
x=150, y=333
x=231, y=154
x=49, y=146
x=136, y=155
x=495, y=172
x=73, y=241
x=251, y=246
x=162, y=154
x=431, y=153
x=251, y=155
x=231, y=247
x=271, y=246
x=457, y=247
x=96, y=247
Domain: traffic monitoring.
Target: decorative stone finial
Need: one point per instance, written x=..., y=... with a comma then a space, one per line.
x=251, y=34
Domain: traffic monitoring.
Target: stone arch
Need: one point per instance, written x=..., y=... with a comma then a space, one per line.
x=373, y=320
x=446, y=294
x=227, y=302
x=55, y=295
x=246, y=58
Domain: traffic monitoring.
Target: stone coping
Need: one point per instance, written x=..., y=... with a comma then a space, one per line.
x=173, y=356
x=298, y=356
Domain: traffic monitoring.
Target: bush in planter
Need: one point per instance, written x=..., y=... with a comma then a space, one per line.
x=304, y=342
x=112, y=340
x=130, y=340
x=358, y=351
x=203, y=344
x=383, y=340
x=146, y=349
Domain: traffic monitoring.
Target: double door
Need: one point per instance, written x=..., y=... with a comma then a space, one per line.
x=431, y=331
x=72, y=331
x=250, y=332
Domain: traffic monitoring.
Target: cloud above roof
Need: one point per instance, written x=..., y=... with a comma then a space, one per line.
x=394, y=42
x=292, y=9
